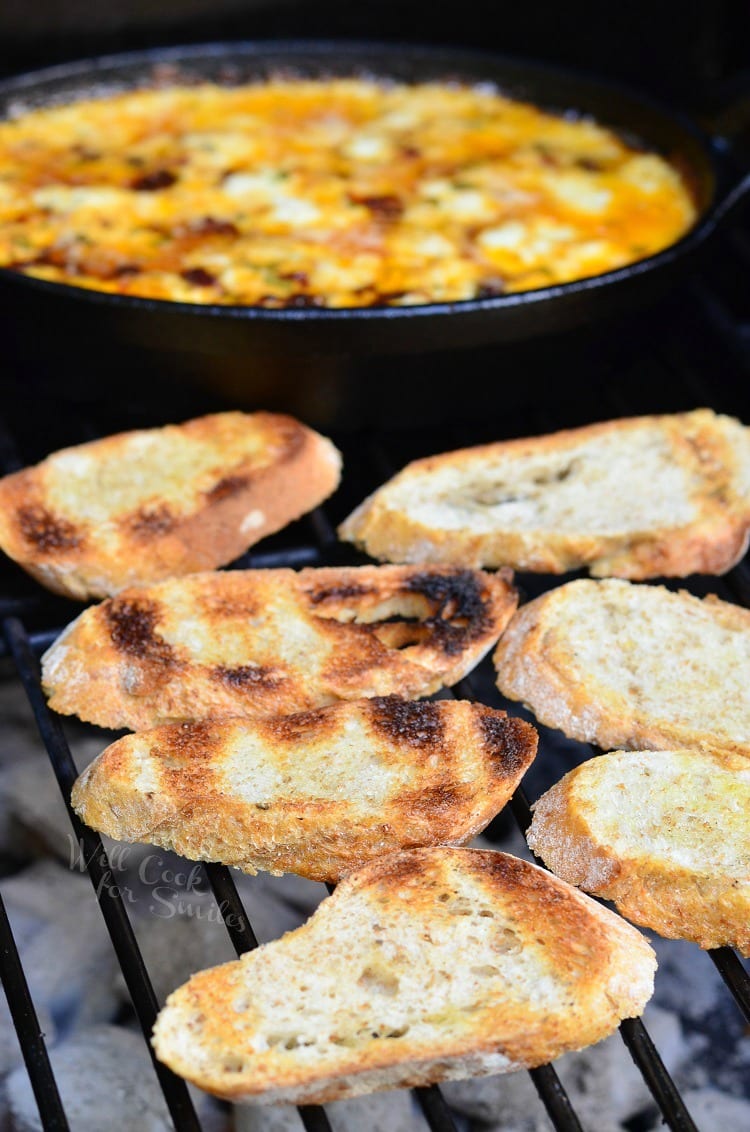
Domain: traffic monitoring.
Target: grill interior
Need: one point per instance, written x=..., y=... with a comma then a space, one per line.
x=692, y=350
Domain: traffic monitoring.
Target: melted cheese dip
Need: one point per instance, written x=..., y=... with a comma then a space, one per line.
x=340, y=193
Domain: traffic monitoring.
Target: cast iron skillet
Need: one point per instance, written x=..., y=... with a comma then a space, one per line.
x=212, y=335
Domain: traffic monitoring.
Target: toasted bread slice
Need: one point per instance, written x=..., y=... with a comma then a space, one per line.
x=423, y=966
x=317, y=792
x=639, y=498
x=153, y=504
x=264, y=642
x=664, y=834
x=623, y=665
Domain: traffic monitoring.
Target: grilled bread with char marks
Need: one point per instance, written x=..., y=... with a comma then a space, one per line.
x=316, y=793
x=265, y=642
x=641, y=498
x=141, y=506
x=624, y=665
x=423, y=966
x=664, y=834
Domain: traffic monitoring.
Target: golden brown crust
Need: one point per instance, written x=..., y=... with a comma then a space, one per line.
x=251, y=475
x=347, y=782
x=621, y=665
x=263, y=642
x=367, y=994
x=664, y=873
x=709, y=451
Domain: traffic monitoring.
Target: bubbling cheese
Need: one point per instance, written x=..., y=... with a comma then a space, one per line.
x=335, y=193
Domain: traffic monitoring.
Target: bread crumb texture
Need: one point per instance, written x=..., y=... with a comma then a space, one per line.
x=146, y=505
x=317, y=792
x=423, y=966
x=264, y=642
x=664, y=834
x=623, y=665
x=636, y=498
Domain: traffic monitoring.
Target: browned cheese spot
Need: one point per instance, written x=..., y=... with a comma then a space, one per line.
x=419, y=724
x=210, y=226
x=152, y=182
x=460, y=607
x=385, y=207
x=490, y=289
x=46, y=531
x=132, y=625
x=226, y=487
x=198, y=277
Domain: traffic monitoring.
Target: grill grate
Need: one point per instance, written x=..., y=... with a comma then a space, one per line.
x=30, y=621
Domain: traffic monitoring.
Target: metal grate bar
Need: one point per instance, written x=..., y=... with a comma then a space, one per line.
x=435, y=1110
x=38, y=642
x=663, y=1089
x=314, y=1118
x=232, y=909
x=735, y=975
x=322, y=529
x=521, y=809
x=108, y=894
x=555, y=1099
x=271, y=559
x=30, y=1036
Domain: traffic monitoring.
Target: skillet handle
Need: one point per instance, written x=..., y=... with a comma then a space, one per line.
x=729, y=126
x=731, y=202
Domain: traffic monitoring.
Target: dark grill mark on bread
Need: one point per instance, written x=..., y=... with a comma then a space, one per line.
x=247, y=676
x=188, y=742
x=401, y=868
x=441, y=798
x=48, y=532
x=291, y=436
x=186, y=763
x=300, y=726
x=155, y=520
x=226, y=598
x=132, y=626
x=404, y=721
x=226, y=487
x=510, y=741
x=461, y=607
x=339, y=593
x=507, y=872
